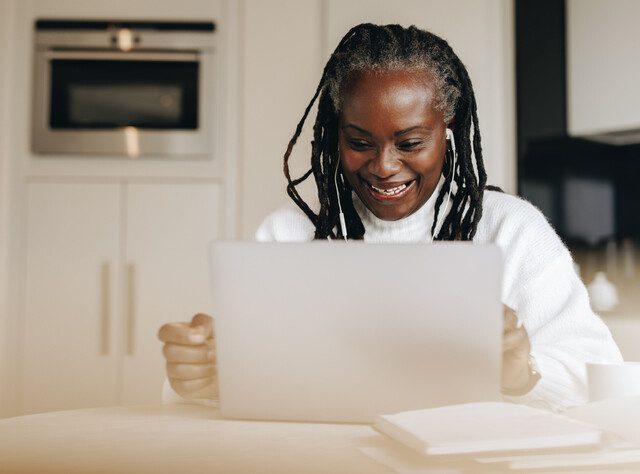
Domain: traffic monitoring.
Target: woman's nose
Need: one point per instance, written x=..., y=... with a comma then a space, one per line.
x=385, y=163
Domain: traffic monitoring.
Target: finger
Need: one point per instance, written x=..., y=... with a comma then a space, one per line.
x=204, y=323
x=510, y=319
x=182, y=333
x=193, y=388
x=176, y=353
x=515, y=339
x=190, y=371
x=210, y=391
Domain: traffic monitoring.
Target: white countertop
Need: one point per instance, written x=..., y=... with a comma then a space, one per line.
x=185, y=438
x=179, y=439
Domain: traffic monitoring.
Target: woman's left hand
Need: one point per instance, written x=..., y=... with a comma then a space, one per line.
x=516, y=347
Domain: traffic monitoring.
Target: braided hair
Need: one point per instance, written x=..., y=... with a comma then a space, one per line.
x=368, y=47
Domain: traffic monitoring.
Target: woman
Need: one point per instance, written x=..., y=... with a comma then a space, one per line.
x=397, y=157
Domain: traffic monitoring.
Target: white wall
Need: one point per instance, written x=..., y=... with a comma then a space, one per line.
x=282, y=63
x=603, y=69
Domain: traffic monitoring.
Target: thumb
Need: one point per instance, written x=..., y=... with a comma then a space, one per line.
x=203, y=323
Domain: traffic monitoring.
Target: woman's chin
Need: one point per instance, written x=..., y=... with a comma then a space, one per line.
x=388, y=211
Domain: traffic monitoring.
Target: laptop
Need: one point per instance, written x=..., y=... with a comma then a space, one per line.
x=343, y=332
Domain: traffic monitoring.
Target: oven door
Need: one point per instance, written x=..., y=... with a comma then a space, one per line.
x=117, y=103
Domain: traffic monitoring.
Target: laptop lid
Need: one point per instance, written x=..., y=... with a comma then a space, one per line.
x=328, y=331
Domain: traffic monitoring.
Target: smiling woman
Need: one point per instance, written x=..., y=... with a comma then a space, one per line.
x=418, y=84
x=397, y=157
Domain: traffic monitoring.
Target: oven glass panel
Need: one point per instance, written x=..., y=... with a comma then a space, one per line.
x=107, y=94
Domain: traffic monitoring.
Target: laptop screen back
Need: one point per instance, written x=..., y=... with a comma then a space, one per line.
x=341, y=332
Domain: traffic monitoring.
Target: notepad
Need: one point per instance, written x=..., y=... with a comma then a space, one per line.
x=486, y=427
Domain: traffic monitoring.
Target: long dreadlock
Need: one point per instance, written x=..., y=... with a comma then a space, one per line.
x=381, y=48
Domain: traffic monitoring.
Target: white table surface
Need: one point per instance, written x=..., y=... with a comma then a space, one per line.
x=186, y=438
x=180, y=439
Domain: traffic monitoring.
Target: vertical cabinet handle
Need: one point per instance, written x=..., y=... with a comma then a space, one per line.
x=131, y=308
x=105, y=308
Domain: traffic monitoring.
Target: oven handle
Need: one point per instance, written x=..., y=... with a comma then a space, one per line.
x=130, y=56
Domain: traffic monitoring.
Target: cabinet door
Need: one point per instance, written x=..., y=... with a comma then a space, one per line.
x=68, y=351
x=168, y=228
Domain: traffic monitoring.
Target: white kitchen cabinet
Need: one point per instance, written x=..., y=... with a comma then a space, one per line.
x=70, y=324
x=602, y=79
x=168, y=228
x=107, y=264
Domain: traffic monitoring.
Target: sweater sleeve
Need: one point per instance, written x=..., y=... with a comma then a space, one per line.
x=287, y=224
x=553, y=305
x=565, y=335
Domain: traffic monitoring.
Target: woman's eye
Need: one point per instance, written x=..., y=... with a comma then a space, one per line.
x=359, y=145
x=410, y=144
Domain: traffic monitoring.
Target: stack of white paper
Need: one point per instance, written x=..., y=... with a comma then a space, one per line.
x=487, y=427
x=620, y=455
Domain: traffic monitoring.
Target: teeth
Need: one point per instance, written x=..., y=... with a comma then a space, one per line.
x=389, y=192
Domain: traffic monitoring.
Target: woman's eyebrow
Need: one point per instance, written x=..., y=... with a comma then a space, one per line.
x=395, y=134
x=355, y=127
x=410, y=129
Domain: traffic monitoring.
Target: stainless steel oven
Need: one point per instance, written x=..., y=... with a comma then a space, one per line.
x=124, y=88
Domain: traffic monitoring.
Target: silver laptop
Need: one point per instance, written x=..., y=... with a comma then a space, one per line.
x=342, y=332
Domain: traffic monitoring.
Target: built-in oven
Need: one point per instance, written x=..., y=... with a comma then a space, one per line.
x=124, y=88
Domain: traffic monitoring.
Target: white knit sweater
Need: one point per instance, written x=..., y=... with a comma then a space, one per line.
x=539, y=283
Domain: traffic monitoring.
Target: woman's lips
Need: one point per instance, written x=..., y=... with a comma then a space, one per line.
x=388, y=193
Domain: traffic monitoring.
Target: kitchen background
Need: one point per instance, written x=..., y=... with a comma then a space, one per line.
x=98, y=251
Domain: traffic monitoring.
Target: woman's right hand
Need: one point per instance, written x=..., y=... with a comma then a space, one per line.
x=189, y=349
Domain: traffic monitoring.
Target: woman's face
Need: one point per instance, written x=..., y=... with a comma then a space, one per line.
x=392, y=141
